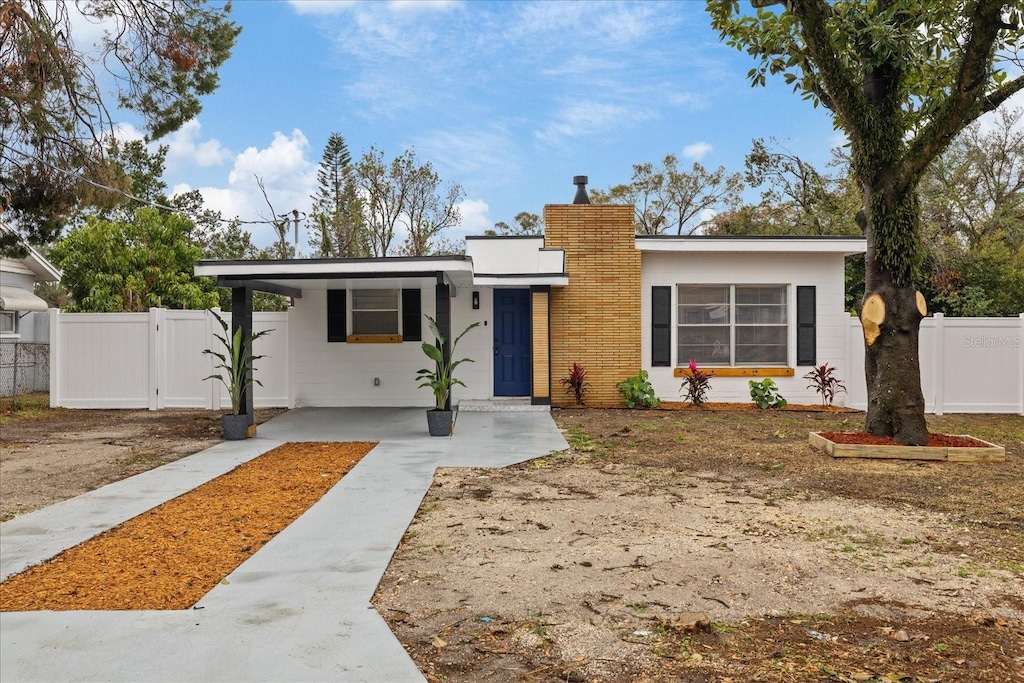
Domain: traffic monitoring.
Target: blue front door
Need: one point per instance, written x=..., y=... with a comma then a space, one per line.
x=512, y=342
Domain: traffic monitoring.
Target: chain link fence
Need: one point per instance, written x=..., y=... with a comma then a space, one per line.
x=24, y=367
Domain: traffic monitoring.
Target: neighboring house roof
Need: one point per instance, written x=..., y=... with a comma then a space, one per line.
x=33, y=267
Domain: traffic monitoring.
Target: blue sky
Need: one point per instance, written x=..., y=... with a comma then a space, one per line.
x=509, y=99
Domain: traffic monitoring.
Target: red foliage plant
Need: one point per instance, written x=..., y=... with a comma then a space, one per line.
x=576, y=383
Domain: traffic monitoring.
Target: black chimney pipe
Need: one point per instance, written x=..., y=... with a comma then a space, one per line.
x=580, y=181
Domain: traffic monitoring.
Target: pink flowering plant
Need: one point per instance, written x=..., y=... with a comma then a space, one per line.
x=696, y=385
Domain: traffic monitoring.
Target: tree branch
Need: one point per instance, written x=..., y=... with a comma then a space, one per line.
x=992, y=101
x=844, y=98
x=967, y=99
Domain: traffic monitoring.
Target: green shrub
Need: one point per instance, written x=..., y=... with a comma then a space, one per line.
x=637, y=392
x=765, y=394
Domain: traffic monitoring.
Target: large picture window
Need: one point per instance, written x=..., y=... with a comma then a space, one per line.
x=732, y=325
x=375, y=311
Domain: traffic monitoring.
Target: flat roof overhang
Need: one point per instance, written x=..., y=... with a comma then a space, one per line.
x=289, y=277
x=846, y=245
x=516, y=280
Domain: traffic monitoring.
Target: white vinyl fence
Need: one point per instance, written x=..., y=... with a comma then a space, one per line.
x=968, y=365
x=155, y=360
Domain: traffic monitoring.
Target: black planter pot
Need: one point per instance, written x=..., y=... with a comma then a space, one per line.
x=439, y=422
x=236, y=427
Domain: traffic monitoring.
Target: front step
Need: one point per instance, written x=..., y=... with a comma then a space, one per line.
x=513, y=404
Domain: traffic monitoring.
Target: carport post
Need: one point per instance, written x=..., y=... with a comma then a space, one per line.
x=241, y=317
x=443, y=316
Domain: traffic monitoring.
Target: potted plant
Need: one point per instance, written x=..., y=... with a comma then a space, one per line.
x=440, y=379
x=236, y=360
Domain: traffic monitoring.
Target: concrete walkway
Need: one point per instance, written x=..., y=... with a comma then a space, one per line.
x=299, y=609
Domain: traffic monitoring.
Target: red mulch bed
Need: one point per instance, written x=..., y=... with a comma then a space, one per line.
x=934, y=440
x=752, y=407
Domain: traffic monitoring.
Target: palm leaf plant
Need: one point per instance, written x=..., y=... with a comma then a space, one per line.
x=441, y=379
x=235, y=360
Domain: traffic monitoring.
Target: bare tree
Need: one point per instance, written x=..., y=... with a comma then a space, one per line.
x=404, y=194
x=668, y=200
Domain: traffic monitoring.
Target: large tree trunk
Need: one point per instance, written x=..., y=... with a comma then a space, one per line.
x=892, y=369
x=891, y=316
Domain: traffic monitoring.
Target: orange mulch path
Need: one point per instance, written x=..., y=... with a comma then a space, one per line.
x=934, y=440
x=172, y=555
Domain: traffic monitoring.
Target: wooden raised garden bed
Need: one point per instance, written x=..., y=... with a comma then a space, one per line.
x=940, y=447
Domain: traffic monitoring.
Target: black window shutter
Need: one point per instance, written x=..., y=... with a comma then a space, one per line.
x=337, y=328
x=661, y=326
x=412, y=320
x=806, y=346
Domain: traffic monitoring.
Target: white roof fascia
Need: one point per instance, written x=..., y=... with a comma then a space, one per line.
x=555, y=280
x=812, y=245
x=375, y=267
x=505, y=255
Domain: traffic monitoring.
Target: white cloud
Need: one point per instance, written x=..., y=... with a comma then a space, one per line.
x=184, y=147
x=470, y=151
x=688, y=100
x=419, y=6
x=475, y=218
x=126, y=132
x=285, y=157
x=328, y=7
x=287, y=173
x=321, y=6
x=697, y=150
x=586, y=118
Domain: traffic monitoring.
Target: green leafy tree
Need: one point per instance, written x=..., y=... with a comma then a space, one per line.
x=161, y=57
x=337, y=214
x=523, y=224
x=233, y=243
x=671, y=201
x=901, y=78
x=975, y=188
x=112, y=266
x=972, y=207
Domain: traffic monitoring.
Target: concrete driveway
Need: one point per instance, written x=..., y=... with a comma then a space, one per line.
x=299, y=609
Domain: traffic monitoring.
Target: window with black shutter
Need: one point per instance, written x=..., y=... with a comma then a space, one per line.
x=412, y=317
x=806, y=333
x=661, y=326
x=336, y=323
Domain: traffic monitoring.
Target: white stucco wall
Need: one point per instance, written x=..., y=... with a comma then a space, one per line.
x=823, y=271
x=342, y=374
x=518, y=255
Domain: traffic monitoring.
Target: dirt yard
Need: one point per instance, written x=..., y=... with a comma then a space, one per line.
x=687, y=546
x=717, y=546
x=48, y=455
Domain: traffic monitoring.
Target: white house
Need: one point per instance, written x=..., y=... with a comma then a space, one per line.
x=18, y=277
x=589, y=291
